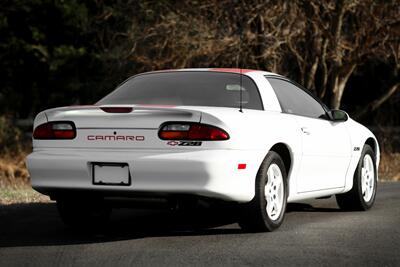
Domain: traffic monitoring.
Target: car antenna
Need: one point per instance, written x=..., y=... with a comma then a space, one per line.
x=240, y=65
x=240, y=103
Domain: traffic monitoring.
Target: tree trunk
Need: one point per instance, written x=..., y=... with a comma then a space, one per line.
x=324, y=67
x=339, y=84
x=310, y=85
x=337, y=93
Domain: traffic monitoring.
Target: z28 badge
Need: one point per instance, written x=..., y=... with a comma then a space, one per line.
x=184, y=143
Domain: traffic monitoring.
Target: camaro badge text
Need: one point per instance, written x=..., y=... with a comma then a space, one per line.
x=115, y=138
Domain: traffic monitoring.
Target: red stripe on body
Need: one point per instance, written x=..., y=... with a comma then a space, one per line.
x=231, y=70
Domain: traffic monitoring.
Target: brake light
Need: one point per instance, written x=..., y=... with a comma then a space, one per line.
x=117, y=109
x=191, y=131
x=55, y=130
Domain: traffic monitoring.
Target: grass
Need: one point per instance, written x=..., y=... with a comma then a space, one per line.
x=15, y=187
x=13, y=172
x=26, y=194
x=389, y=167
x=14, y=180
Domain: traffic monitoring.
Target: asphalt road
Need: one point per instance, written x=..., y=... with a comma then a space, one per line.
x=314, y=233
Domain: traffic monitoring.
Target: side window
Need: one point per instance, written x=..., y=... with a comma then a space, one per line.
x=294, y=100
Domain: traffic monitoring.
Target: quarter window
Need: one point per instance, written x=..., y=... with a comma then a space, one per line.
x=294, y=100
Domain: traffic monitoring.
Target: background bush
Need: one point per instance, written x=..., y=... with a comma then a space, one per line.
x=10, y=136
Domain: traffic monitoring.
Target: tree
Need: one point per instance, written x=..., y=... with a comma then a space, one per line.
x=75, y=51
x=45, y=55
x=330, y=39
x=327, y=40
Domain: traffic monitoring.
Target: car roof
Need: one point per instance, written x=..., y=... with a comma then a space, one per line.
x=230, y=70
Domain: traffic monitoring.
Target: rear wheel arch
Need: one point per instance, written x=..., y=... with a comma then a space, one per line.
x=284, y=152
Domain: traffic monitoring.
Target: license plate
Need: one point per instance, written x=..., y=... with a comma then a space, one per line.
x=111, y=174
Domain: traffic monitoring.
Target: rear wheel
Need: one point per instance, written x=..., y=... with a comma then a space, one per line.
x=266, y=211
x=81, y=212
x=362, y=195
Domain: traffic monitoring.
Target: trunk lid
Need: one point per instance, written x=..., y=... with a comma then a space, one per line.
x=98, y=128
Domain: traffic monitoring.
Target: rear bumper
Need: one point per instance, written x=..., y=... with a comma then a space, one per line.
x=209, y=173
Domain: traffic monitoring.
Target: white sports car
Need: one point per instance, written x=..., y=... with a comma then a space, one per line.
x=248, y=137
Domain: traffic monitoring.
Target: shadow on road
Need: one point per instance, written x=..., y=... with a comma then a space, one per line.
x=304, y=207
x=38, y=224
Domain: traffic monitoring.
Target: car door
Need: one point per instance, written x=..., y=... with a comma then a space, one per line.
x=326, y=148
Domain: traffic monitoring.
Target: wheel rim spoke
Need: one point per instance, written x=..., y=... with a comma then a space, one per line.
x=365, y=194
x=363, y=187
x=275, y=209
x=367, y=178
x=269, y=207
x=274, y=192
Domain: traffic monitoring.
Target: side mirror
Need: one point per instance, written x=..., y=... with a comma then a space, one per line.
x=338, y=115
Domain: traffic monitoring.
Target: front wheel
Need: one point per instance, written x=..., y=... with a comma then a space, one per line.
x=362, y=195
x=266, y=211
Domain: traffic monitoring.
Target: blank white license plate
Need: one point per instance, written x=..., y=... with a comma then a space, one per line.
x=111, y=174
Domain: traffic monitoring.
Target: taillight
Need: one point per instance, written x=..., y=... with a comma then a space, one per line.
x=191, y=131
x=55, y=130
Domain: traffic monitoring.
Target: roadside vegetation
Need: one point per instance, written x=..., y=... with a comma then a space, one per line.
x=14, y=178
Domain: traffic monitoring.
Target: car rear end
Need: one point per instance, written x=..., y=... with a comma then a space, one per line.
x=140, y=149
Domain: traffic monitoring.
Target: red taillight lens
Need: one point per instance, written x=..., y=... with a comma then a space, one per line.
x=55, y=130
x=192, y=131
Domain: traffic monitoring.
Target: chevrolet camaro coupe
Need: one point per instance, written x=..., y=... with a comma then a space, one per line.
x=250, y=138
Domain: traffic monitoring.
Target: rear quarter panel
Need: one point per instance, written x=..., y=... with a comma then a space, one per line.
x=259, y=131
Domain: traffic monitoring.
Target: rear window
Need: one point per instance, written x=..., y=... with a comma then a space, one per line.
x=187, y=89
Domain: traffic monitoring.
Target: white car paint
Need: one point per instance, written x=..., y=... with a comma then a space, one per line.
x=322, y=149
x=323, y=156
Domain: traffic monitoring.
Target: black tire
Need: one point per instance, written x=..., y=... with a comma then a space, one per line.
x=253, y=216
x=354, y=200
x=83, y=213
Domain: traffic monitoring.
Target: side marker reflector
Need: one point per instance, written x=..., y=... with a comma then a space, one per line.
x=241, y=166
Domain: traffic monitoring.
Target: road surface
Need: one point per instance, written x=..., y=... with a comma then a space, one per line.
x=313, y=233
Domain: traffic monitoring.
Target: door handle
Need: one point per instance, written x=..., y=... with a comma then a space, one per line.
x=305, y=130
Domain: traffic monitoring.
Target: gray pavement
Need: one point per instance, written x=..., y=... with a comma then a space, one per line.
x=313, y=233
